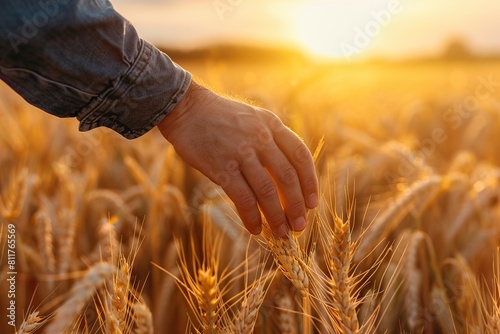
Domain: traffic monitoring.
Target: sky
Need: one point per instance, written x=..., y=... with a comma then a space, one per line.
x=334, y=28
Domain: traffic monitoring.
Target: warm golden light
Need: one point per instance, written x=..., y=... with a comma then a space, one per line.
x=322, y=27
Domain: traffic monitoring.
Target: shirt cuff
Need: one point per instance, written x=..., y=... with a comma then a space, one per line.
x=141, y=98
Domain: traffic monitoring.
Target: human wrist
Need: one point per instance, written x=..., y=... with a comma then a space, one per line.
x=176, y=116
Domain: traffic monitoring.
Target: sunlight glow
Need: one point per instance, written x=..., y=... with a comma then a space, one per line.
x=321, y=27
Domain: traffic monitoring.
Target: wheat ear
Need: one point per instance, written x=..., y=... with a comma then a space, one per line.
x=249, y=311
x=107, y=245
x=295, y=265
x=12, y=204
x=45, y=245
x=286, y=320
x=31, y=324
x=421, y=191
x=342, y=283
x=440, y=307
x=469, y=304
x=66, y=240
x=202, y=289
x=79, y=294
x=209, y=298
x=290, y=258
x=412, y=282
x=143, y=319
x=119, y=300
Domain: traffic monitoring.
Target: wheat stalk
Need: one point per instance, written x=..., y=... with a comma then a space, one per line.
x=140, y=175
x=165, y=297
x=107, y=244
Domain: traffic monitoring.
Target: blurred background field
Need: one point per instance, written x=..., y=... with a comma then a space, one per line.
x=413, y=141
x=379, y=124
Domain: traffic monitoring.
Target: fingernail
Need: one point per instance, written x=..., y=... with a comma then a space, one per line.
x=299, y=224
x=282, y=231
x=312, y=201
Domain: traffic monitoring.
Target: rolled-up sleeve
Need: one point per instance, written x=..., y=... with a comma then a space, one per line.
x=80, y=58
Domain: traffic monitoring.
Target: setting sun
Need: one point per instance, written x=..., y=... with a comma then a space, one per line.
x=341, y=29
x=322, y=28
x=319, y=27
x=348, y=30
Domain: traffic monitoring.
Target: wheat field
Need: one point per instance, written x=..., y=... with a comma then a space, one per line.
x=117, y=236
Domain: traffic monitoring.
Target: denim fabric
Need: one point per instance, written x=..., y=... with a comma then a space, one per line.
x=80, y=58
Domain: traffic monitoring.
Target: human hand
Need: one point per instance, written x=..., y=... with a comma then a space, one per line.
x=248, y=151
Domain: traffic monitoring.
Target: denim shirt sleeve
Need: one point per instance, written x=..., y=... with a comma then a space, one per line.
x=80, y=58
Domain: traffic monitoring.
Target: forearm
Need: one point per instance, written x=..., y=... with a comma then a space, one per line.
x=79, y=59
